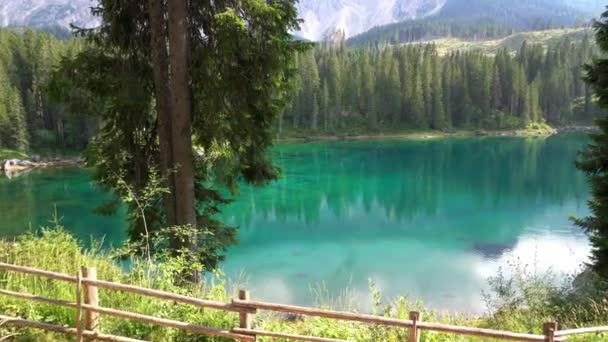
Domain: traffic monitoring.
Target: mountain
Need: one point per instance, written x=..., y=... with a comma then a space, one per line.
x=485, y=19
x=47, y=13
x=523, y=12
x=592, y=7
x=322, y=17
x=352, y=17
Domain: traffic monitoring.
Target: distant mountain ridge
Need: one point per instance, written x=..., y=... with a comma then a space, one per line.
x=47, y=13
x=485, y=19
x=324, y=17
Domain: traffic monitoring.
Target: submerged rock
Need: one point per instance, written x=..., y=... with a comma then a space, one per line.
x=491, y=250
x=16, y=164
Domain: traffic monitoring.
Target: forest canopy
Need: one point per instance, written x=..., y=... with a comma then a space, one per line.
x=28, y=117
x=414, y=87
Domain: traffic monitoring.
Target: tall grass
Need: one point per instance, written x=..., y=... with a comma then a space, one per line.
x=11, y=154
x=520, y=303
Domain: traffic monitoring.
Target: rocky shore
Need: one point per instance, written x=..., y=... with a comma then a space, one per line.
x=16, y=167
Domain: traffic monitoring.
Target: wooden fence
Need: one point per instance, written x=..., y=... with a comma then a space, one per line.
x=89, y=327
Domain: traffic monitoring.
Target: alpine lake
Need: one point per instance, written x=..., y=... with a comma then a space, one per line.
x=431, y=219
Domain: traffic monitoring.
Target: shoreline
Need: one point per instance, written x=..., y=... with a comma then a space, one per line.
x=428, y=135
x=17, y=167
x=24, y=165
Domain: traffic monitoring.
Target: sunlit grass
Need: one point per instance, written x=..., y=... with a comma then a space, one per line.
x=11, y=154
x=512, y=43
x=56, y=250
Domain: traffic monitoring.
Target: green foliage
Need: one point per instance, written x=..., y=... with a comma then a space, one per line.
x=11, y=154
x=52, y=247
x=239, y=75
x=478, y=20
x=414, y=87
x=519, y=299
x=594, y=159
x=27, y=117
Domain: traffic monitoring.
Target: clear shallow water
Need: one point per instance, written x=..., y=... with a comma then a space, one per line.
x=432, y=219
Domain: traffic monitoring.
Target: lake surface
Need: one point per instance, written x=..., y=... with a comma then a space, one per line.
x=431, y=219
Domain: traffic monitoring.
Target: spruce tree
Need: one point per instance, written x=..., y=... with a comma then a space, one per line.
x=439, y=122
x=418, y=99
x=393, y=93
x=335, y=87
x=367, y=89
x=18, y=133
x=594, y=159
x=324, y=105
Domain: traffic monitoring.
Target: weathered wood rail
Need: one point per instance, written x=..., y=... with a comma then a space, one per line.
x=90, y=328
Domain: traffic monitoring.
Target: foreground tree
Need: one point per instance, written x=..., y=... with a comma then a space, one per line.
x=594, y=160
x=191, y=89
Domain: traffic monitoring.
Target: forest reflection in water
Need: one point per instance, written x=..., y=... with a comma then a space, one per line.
x=428, y=218
x=432, y=219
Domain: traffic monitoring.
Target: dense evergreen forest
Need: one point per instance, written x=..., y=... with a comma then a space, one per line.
x=339, y=89
x=431, y=28
x=28, y=119
x=413, y=87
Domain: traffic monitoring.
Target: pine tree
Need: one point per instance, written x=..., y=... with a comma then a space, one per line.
x=19, y=136
x=439, y=121
x=315, y=113
x=466, y=89
x=366, y=105
x=309, y=84
x=393, y=93
x=496, y=90
x=427, y=81
x=335, y=88
x=418, y=109
x=447, y=93
x=593, y=160
x=324, y=105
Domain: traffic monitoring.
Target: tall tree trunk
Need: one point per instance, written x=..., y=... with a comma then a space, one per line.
x=160, y=61
x=182, y=122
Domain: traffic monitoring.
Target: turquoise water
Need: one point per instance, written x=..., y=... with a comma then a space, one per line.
x=432, y=219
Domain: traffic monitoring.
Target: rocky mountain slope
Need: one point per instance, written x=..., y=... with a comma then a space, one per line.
x=321, y=17
x=46, y=13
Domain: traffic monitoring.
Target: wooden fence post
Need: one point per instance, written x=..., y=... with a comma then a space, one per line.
x=415, y=317
x=549, y=330
x=79, y=306
x=91, y=297
x=245, y=319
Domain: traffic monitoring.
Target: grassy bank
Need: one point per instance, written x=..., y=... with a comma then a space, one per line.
x=521, y=303
x=545, y=38
x=11, y=154
x=355, y=134
x=43, y=153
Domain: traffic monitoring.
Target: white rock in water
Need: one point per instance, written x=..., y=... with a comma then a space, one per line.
x=16, y=164
x=10, y=164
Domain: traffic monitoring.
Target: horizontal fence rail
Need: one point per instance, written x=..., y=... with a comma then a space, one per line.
x=580, y=331
x=89, y=328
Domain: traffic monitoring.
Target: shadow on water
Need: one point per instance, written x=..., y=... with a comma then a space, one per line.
x=491, y=251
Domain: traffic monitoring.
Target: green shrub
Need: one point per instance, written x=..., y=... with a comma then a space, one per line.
x=521, y=302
